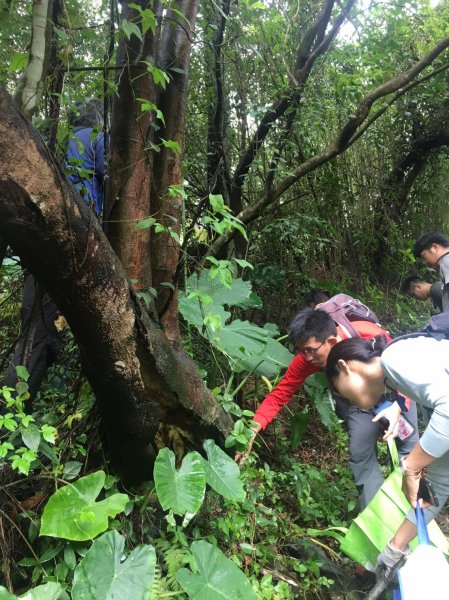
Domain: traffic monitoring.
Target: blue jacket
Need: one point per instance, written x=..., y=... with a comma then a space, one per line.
x=86, y=151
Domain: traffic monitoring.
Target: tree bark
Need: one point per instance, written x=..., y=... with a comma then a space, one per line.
x=166, y=204
x=32, y=85
x=131, y=161
x=134, y=372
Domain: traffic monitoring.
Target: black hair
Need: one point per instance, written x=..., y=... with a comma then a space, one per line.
x=314, y=297
x=408, y=281
x=88, y=113
x=353, y=349
x=426, y=240
x=311, y=322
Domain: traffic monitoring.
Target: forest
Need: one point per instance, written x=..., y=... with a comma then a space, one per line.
x=254, y=151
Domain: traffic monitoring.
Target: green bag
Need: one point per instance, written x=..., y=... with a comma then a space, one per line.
x=374, y=527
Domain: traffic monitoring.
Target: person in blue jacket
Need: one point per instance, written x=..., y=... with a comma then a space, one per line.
x=85, y=152
x=40, y=341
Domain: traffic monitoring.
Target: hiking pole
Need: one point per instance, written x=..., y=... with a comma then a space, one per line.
x=385, y=580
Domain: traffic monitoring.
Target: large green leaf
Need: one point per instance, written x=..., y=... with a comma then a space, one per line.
x=317, y=391
x=47, y=591
x=248, y=346
x=222, y=473
x=218, y=578
x=31, y=436
x=73, y=514
x=253, y=348
x=194, y=311
x=180, y=490
x=103, y=575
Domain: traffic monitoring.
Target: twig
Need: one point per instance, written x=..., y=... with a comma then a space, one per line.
x=279, y=576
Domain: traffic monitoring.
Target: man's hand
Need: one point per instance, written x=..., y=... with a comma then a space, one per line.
x=240, y=457
x=392, y=413
x=389, y=560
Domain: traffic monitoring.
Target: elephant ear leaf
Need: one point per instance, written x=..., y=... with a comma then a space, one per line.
x=217, y=577
x=130, y=578
x=47, y=591
x=72, y=512
x=180, y=490
x=223, y=473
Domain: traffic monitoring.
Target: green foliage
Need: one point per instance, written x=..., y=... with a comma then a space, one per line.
x=222, y=473
x=129, y=578
x=158, y=227
x=217, y=577
x=182, y=490
x=48, y=591
x=317, y=390
x=147, y=15
x=84, y=518
x=130, y=29
x=21, y=427
x=300, y=421
x=220, y=219
x=247, y=346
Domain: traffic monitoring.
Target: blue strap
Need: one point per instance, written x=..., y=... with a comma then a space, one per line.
x=423, y=535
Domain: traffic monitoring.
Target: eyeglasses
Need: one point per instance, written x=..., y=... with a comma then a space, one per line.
x=309, y=351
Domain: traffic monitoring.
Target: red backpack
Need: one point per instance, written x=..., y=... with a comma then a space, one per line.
x=344, y=309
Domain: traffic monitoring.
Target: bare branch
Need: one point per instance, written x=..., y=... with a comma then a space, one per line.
x=346, y=137
x=312, y=46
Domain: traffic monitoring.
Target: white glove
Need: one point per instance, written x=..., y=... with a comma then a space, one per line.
x=388, y=560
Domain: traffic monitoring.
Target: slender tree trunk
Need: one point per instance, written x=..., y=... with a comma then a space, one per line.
x=166, y=203
x=131, y=162
x=32, y=85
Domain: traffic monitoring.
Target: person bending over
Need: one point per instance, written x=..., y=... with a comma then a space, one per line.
x=418, y=367
x=314, y=333
x=433, y=249
x=417, y=288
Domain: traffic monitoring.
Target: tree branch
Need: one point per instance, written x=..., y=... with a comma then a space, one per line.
x=343, y=140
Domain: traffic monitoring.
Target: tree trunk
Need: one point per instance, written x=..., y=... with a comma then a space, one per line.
x=131, y=161
x=134, y=372
x=32, y=84
x=166, y=203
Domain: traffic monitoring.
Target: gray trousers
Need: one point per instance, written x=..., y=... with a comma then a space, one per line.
x=363, y=436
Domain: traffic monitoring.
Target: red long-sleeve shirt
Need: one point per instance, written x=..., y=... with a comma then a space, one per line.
x=297, y=373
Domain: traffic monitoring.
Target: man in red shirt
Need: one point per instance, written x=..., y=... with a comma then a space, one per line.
x=313, y=332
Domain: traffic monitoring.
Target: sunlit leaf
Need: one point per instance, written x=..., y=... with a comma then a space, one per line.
x=130, y=29
x=181, y=490
x=84, y=518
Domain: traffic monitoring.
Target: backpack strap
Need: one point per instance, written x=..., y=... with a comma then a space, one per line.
x=406, y=336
